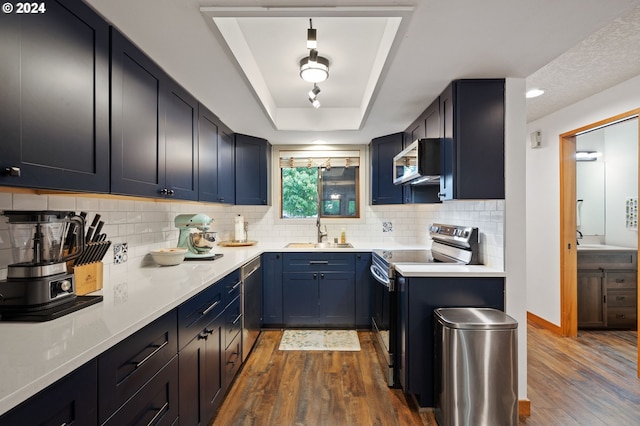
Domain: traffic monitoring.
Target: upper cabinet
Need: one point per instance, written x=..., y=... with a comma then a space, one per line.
x=153, y=128
x=252, y=170
x=216, y=158
x=472, y=120
x=226, y=162
x=54, y=107
x=382, y=151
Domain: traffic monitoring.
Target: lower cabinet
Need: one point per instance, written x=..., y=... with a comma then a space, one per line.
x=201, y=374
x=417, y=298
x=71, y=400
x=607, y=289
x=127, y=375
x=318, y=289
x=155, y=403
x=272, y=289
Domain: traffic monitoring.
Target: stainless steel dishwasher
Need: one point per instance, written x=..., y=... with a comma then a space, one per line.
x=251, y=302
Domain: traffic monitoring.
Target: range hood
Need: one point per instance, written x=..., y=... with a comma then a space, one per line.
x=418, y=163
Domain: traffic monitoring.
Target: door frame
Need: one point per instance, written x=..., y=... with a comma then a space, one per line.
x=568, y=250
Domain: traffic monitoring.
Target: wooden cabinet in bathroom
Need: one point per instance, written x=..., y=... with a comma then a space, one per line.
x=607, y=289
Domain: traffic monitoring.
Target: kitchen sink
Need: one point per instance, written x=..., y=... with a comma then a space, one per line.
x=319, y=245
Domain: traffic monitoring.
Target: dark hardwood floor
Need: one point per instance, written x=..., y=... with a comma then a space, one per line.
x=590, y=380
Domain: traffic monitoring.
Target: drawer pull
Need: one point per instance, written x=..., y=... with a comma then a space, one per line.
x=157, y=416
x=619, y=280
x=620, y=316
x=237, y=319
x=619, y=298
x=318, y=262
x=235, y=355
x=148, y=357
x=234, y=287
x=210, y=308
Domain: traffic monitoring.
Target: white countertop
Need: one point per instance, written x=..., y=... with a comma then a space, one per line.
x=605, y=247
x=35, y=355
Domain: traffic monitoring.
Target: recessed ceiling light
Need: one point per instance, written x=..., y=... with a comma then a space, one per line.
x=318, y=142
x=534, y=93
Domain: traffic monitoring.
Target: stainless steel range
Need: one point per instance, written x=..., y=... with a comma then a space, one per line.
x=452, y=244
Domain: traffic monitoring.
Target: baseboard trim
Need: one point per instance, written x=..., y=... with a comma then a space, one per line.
x=524, y=407
x=544, y=323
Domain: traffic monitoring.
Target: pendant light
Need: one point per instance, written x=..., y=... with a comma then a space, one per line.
x=313, y=68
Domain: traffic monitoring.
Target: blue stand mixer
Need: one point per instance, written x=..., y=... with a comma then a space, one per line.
x=195, y=236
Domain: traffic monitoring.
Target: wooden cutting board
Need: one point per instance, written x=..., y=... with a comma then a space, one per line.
x=237, y=243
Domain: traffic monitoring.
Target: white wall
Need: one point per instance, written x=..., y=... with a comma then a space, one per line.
x=515, y=219
x=543, y=191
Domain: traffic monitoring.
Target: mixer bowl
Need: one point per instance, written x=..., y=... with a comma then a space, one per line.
x=202, y=242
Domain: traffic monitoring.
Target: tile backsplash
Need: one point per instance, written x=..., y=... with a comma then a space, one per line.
x=144, y=225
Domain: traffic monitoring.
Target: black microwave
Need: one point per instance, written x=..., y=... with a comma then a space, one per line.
x=418, y=163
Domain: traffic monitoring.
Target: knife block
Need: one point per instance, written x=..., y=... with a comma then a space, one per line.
x=88, y=278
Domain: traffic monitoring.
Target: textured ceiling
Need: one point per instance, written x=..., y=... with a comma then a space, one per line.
x=604, y=59
x=443, y=41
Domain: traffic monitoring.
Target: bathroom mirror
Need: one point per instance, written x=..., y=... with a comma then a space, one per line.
x=606, y=179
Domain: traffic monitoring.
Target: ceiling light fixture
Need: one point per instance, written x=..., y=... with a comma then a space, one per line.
x=534, y=93
x=313, y=68
x=313, y=93
x=312, y=42
x=315, y=103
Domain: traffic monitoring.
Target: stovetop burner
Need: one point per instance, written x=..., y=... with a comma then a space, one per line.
x=51, y=313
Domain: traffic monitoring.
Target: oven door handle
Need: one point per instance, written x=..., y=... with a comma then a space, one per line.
x=380, y=276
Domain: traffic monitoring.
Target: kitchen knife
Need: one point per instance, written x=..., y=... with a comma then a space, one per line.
x=96, y=235
x=92, y=227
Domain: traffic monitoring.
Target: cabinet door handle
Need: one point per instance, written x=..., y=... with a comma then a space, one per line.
x=318, y=262
x=315, y=276
x=236, y=320
x=163, y=191
x=170, y=192
x=213, y=305
x=234, y=287
x=322, y=276
x=157, y=416
x=12, y=171
x=148, y=357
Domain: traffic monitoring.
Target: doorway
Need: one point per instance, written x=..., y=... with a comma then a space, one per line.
x=568, y=230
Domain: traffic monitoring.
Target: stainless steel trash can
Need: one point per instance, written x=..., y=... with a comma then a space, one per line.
x=476, y=367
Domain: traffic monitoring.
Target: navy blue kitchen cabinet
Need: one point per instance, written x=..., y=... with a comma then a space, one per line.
x=318, y=289
x=181, y=144
x=215, y=158
x=472, y=150
x=153, y=128
x=364, y=284
x=129, y=378
x=209, y=331
x=252, y=170
x=201, y=374
x=226, y=165
x=54, y=107
x=271, y=265
x=382, y=151
x=71, y=400
x=418, y=297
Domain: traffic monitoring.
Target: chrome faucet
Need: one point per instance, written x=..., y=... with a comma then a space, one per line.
x=579, y=237
x=321, y=233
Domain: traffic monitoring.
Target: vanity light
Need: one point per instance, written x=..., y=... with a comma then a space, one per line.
x=587, y=155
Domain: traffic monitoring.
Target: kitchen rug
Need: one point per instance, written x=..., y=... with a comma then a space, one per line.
x=319, y=340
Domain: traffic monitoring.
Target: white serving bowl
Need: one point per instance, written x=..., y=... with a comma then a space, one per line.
x=169, y=256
